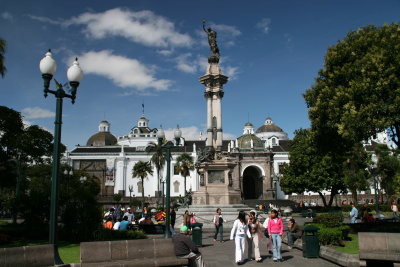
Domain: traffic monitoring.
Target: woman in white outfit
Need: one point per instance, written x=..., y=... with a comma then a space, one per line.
x=239, y=232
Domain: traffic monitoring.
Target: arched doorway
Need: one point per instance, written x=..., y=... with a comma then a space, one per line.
x=252, y=183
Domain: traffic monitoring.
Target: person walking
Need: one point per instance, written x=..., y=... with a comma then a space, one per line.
x=353, y=214
x=394, y=210
x=265, y=225
x=186, y=219
x=239, y=232
x=172, y=213
x=292, y=233
x=275, y=231
x=219, y=225
x=255, y=232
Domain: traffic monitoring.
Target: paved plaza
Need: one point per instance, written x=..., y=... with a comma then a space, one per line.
x=223, y=254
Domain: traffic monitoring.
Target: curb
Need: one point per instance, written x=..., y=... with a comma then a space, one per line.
x=332, y=255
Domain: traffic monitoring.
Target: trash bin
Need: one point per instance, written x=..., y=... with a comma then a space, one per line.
x=310, y=242
x=197, y=234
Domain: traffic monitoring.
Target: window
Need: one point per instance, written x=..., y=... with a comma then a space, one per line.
x=139, y=185
x=176, y=172
x=176, y=187
x=273, y=141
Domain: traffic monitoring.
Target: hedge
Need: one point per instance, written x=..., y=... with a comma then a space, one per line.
x=109, y=235
x=329, y=220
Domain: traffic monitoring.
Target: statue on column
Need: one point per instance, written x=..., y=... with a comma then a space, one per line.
x=212, y=41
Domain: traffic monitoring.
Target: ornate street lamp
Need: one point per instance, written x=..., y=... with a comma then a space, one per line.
x=83, y=179
x=48, y=67
x=167, y=147
x=68, y=174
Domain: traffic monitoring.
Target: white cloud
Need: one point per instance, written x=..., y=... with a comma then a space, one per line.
x=165, y=52
x=124, y=72
x=226, y=29
x=264, y=25
x=142, y=27
x=231, y=72
x=198, y=65
x=6, y=16
x=185, y=65
x=45, y=20
x=192, y=133
x=37, y=113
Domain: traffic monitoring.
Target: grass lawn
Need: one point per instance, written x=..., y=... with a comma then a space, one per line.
x=351, y=247
x=69, y=253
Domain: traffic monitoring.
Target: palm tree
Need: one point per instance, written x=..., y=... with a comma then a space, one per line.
x=157, y=159
x=141, y=170
x=184, y=164
x=3, y=46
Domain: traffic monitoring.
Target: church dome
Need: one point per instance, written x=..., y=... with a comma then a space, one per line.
x=245, y=141
x=268, y=127
x=103, y=137
x=270, y=130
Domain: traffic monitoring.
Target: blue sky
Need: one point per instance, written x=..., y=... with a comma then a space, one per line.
x=155, y=51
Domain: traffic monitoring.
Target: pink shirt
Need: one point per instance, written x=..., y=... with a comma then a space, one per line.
x=275, y=226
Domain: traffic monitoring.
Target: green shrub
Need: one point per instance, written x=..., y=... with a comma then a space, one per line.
x=329, y=220
x=345, y=229
x=109, y=235
x=330, y=236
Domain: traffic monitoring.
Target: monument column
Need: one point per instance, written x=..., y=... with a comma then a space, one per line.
x=213, y=81
x=209, y=142
x=216, y=186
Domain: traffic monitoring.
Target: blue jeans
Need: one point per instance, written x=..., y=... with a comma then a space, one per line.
x=291, y=238
x=353, y=219
x=276, y=246
x=219, y=229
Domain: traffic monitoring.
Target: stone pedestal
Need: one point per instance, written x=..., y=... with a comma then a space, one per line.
x=216, y=184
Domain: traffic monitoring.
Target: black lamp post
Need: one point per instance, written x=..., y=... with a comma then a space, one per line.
x=130, y=193
x=48, y=67
x=162, y=194
x=68, y=174
x=167, y=147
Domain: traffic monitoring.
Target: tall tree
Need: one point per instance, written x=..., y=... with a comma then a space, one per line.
x=184, y=164
x=357, y=92
x=388, y=167
x=142, y=170
x=3, y=47
x=312, y=170
x=355, y=170
x=157, y=159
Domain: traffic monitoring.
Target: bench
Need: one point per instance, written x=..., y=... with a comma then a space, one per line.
x=35, y=256
x=307, y=213
x=142, y=252
x=379, y=247
x=152, y=228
